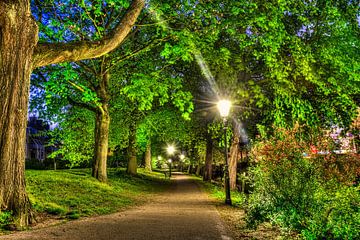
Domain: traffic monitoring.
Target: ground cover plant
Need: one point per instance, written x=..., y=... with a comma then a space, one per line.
x=313, y=196
x=70, y=194
x=237, y=198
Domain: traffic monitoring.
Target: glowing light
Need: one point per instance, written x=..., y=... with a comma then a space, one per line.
x=224, y=107
x=182, y=156
x=206, y=72
x=170, y=160
x=170, y=149
x=159, y=157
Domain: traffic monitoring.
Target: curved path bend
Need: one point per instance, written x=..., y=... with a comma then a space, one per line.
x=182, y=212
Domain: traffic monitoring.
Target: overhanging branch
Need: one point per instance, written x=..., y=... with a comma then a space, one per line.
x=52, y=53
x=82, y=104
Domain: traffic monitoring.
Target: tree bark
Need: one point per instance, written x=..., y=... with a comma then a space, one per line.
x=234, y=155
x=208, y=159
x=131, y=150
x=102, y=124
x=18, y=37
x=148, y=157
x=198, y=167
x=101, y=144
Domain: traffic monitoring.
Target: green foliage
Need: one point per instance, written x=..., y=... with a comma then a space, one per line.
x=339, y=217
x=164, y=125
x=282, y=62
x=313, y=196
x=5, y=218
x=238, y=199
x=74, y=138
x=76, y=20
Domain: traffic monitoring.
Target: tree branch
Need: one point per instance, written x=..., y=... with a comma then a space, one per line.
x=52, y=53
x=82, y=104
x=153, y=43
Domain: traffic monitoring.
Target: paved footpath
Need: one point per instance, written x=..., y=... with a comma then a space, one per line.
x=183, y=212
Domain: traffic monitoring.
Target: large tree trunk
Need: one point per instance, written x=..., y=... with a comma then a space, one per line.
x=148, y=157
x=208, y=159
x=234, y=155
x=18, y=37
x=101, y=144
x=131, y=151
x=102, y=130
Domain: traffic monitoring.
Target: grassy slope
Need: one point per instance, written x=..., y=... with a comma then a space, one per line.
x=74, y=193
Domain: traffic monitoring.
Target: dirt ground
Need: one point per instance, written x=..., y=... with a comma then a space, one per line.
x=183, y=212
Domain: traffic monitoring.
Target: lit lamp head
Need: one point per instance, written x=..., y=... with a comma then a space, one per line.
x=170, y=150
x=182, y=157
x=224, y=107
x=169, y=160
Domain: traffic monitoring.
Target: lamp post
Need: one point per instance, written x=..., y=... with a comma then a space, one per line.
x=224, y=109
x=170, y=167
x=170, y=150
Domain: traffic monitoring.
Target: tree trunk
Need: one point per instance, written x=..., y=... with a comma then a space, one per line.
x=131, y=151
x=102, y=124
x=234, y=154
x=18, y=37
x=148, y=157
x=198, y=169
x=208, y=159
x=101, y=144
x=189, y=169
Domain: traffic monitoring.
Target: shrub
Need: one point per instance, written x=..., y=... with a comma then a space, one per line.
x=312, y=196
x=5, y=218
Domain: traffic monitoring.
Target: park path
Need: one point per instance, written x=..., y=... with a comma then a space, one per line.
x=182, y=212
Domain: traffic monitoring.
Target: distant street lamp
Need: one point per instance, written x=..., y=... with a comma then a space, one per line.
x=182, y=157
x=170, y=150
x=224, y=109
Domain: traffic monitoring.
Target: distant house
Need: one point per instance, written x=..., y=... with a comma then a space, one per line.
x=36, y=140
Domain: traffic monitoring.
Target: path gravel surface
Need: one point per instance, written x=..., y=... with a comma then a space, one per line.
x=182, y=212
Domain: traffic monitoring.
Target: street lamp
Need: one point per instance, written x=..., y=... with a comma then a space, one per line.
x=170, y=150
x=224, y=109
x=182, y=157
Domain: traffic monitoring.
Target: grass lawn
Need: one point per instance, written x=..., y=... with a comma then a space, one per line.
x=74, y=193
